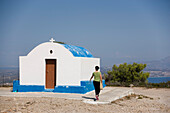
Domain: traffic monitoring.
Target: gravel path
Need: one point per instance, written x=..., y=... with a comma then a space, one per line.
x=143, y=101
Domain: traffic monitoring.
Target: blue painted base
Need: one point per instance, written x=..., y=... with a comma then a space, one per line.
x=26, y=88
x=86, y=86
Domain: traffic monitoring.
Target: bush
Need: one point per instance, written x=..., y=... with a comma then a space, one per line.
x=124, y=75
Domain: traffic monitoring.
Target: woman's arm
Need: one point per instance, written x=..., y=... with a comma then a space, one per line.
x=101, y=78
x=91, y=77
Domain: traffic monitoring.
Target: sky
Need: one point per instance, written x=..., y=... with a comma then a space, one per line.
x=116, y=31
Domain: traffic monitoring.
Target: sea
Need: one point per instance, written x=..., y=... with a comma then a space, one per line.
x=158, y=79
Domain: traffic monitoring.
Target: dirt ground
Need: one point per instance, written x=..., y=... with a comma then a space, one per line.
x=143, y=101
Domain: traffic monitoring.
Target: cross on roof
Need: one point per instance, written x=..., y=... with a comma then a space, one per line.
x=52, y=40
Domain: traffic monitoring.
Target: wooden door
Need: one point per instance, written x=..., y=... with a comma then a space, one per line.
x=50, y=73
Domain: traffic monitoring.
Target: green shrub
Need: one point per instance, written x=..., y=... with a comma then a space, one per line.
x=124, y=75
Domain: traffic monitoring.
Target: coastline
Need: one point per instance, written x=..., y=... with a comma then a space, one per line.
x=158, y=79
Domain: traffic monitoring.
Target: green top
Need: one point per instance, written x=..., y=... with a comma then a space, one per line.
x=97, y=76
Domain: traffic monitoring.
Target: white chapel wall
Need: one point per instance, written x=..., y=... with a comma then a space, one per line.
x=88, y=67
x=33, y=66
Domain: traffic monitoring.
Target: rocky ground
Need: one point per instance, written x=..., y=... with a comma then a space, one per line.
x=143, y=101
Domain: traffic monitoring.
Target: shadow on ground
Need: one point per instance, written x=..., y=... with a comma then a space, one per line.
x=89, y=98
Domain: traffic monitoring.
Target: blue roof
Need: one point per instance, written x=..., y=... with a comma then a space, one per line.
x=78, y=51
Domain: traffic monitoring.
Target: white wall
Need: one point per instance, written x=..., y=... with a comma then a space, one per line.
x=32, y=66
x=31, y=71
x=88, y=67
x=70, y=70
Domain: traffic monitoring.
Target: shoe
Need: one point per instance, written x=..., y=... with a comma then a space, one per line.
x=97, y=98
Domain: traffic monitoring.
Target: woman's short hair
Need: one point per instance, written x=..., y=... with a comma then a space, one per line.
x=97, y=68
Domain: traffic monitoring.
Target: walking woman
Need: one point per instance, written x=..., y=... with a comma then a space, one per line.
x=96, y=82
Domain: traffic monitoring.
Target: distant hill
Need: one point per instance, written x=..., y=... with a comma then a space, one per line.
x=157, y=65
x=105, y=69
